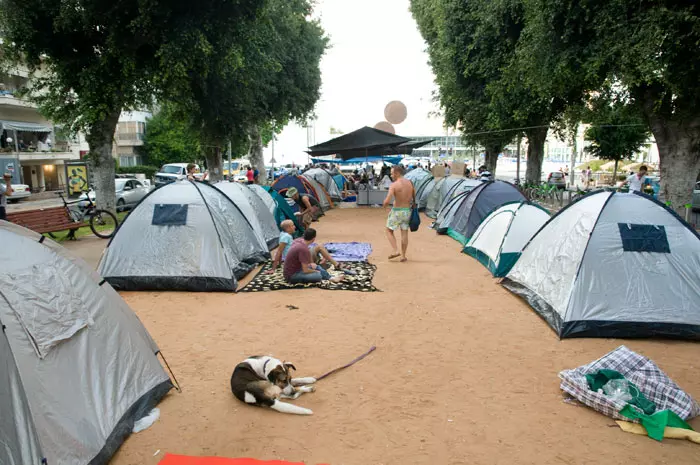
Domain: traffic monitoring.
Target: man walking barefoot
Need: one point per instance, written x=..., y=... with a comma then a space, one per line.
x=402, y=192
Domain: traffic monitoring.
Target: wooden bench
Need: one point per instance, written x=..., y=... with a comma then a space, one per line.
x=46, y=220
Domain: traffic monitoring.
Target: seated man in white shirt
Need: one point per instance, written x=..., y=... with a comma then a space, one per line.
x=636, y=181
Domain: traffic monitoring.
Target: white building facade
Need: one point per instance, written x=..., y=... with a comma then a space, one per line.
x=32, y=148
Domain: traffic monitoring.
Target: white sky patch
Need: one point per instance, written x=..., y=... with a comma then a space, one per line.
x=376, y=55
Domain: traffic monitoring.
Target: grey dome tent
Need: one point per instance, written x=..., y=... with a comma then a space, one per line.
x=325, y=179
x=418, y=177
x=613, y=265
x=265, y=196
x=323, y=197
x=460, y=217
x=424, y=191
x=446, y=189
x=183, y=236
x=254, y=209
x=77, y=367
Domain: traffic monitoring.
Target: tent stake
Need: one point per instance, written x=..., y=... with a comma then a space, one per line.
x=177, y=385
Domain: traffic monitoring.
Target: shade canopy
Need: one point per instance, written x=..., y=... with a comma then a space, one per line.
x=22, y=126
x=363, y=139
x=393, y=160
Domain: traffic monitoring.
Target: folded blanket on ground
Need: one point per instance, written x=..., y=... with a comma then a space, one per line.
x=653, y=383
x=349, y=251
x=171, y=459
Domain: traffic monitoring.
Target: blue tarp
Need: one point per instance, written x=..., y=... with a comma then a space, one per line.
x=339, y=181
x=359, y=160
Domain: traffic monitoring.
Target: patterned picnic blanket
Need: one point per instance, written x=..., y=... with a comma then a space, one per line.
x=637, y=369
x=360, y=280
x=349, y=251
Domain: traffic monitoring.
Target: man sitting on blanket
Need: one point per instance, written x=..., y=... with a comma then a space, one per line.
x=299, y=267
x=319, y=254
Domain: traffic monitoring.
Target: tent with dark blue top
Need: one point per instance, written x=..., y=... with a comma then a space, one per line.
x=613, y=265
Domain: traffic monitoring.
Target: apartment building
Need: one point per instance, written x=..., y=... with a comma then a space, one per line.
x=32, y=148
x=129, y=136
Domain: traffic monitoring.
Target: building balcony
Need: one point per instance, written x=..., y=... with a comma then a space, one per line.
x=130, y=139
x=8, y=99
x=54, y=155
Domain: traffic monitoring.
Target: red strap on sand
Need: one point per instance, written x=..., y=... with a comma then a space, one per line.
x=171, y=459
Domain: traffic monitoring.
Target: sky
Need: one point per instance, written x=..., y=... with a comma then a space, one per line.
x=376, y=55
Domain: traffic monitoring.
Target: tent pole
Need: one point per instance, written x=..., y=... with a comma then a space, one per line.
x=177, y=385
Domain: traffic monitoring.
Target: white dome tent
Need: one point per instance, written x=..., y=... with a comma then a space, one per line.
x=183, y=236
x=77, y=367
x=613, y=265
x=500, y=238
x=254, y=209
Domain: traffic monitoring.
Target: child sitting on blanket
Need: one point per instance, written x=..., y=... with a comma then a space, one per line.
x=318, y=252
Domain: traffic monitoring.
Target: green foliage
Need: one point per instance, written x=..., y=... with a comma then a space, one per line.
x=273, y=80
x=149, y=171
x=100, y=57
x=169, y=139
x=617, y=130
x=473, y=48
x=650, y=48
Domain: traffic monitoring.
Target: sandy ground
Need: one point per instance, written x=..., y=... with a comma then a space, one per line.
x=464, y=373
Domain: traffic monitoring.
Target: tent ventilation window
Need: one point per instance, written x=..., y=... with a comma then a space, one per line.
x=169, y=215
x=643, y=238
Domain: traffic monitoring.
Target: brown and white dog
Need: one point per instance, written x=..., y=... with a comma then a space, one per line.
x=263, y=381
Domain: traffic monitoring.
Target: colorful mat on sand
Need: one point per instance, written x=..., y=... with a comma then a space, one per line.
x=361, y=281
x=349, y=251
x=171, y=459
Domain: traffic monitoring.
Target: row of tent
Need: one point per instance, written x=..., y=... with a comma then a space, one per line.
x=191, y=236
x=77, y=367
x=608, y=265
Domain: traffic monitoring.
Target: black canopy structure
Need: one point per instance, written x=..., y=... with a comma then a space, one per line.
x=366, y=142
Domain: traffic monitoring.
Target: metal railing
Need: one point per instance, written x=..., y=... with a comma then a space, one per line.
x=555, y=200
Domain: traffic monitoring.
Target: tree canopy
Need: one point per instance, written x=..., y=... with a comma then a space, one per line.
x=98, y=58
x=249, y=91
x=650, y=48
x=169, y=139
x=617, y=130
x=473, y=52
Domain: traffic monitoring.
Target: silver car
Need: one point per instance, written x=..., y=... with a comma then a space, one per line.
x=129, y=192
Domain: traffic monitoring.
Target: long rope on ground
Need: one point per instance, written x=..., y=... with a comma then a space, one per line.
x=371, y=349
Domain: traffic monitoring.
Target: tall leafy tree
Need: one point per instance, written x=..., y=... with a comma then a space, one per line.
x=650, y=47
x=251, y=91
x=169, y=139
x=101, y=57
x=473, y=48
x=617, y=130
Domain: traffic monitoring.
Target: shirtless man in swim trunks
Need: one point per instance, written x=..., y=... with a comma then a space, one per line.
x=402, y=192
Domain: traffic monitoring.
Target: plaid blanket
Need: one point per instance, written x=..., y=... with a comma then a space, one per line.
x=650, y=380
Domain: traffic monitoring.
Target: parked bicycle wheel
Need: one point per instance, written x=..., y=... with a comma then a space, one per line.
x=103, y=224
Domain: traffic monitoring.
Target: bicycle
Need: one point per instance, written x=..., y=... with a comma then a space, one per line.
x=102, y=222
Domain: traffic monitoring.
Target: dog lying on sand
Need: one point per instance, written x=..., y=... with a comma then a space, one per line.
x=263, y=381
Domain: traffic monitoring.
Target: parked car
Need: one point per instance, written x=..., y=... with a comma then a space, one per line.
x=696, y=196
x=19, y=192
x=129, y=192
x=557, y=179
x=237, y=169
x=173, y=172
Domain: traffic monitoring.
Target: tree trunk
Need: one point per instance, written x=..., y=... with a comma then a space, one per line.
x=215, y=163
x=679, y=155
x=678, y=139
x=614, y=180
x=574, y=149
x=100, y=138
x=491, y=157
x=255, y=155
x=535, y=154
